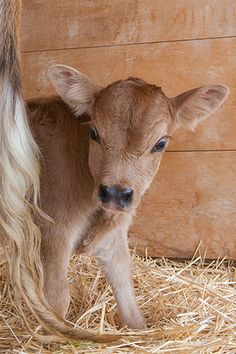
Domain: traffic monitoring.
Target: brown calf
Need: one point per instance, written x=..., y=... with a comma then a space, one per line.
x=101, y=150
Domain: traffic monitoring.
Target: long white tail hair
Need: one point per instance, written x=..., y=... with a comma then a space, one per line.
x=19, y=190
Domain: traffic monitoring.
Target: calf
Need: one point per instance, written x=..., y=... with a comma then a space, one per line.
x=101, y=148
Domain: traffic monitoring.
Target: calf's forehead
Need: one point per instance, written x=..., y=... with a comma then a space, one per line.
x=128, y=105
x=131, y=117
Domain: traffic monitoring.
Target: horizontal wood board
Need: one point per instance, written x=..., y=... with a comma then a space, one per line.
x=57, y=24
x=192, y=200
x=176, y=67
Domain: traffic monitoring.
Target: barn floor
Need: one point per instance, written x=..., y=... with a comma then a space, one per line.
x=191, y=306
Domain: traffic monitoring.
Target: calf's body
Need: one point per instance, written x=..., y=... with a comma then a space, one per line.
x=79, y=224
x=98, y=158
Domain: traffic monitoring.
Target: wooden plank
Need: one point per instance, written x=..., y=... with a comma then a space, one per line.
x=175, y=66
x=57, y=24
x=192, y=199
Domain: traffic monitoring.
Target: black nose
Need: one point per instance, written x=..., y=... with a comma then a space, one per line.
x=121, y=197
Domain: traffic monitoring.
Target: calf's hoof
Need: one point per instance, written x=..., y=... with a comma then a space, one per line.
x=135, y=322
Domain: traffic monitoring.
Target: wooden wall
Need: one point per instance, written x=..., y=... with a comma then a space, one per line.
x=177, y=44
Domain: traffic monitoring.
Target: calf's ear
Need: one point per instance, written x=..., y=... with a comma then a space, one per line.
x=74, y=87
x=192, y=106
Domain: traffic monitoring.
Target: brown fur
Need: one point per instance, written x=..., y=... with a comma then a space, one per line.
x=130, y=117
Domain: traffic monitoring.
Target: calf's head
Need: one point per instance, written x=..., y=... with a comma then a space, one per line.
x=131, y=125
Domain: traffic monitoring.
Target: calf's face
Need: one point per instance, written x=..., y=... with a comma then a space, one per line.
x=131, y=123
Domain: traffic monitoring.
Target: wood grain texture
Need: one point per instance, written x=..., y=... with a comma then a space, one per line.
x=192, y=199
x=176, y=66
x=57, y=24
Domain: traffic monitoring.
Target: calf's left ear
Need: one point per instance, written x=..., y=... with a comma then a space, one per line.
x=74, y=87
x=192, y=106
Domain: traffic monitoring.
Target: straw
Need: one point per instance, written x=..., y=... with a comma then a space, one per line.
x=190, y=307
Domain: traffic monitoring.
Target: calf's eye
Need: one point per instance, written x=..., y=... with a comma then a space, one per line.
x=94, y=135
x=160, y=145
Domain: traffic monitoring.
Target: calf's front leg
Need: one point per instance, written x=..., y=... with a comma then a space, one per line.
x=114, y=258
x=56, y=250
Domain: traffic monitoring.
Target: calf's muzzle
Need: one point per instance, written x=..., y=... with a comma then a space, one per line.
x=115, y=197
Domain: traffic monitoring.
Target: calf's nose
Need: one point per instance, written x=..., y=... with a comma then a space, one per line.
x=115, y=196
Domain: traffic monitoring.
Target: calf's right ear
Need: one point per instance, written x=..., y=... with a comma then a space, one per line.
x=192, y=106
x=74, y=87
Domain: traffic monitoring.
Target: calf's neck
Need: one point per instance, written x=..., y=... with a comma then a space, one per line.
x=101, y=148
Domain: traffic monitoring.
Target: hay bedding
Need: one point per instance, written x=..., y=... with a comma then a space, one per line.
x=191, y=306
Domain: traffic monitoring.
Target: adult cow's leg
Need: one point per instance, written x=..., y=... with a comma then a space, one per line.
x=114, y=258
x=56, y=250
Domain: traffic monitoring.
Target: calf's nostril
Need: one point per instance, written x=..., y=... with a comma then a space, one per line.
x=126, y=196
x=104, y=193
